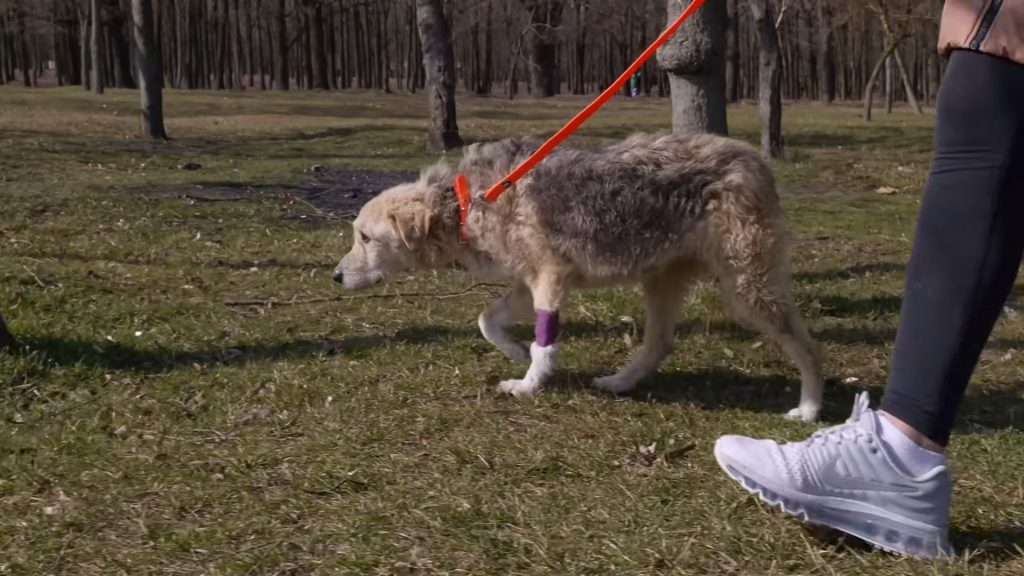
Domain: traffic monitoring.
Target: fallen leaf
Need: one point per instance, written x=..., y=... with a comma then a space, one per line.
x=887, y=191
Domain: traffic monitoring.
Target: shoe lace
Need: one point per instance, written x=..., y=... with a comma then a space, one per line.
x=837, y=434
x=847, y=430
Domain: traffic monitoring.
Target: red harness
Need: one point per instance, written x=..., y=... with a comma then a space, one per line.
x=462, y=190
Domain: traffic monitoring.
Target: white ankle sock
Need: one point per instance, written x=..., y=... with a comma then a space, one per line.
x=914, y=459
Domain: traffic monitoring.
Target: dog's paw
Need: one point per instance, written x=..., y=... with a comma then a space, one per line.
x=519, y=388
x=804, y=413
x=615, y=384
x=516, y=351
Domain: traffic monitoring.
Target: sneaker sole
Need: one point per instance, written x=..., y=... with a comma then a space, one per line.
x=905, y=538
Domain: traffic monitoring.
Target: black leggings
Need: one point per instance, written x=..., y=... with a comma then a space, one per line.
x=968, y=244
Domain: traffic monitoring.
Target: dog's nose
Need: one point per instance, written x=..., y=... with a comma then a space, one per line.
x=339, y=276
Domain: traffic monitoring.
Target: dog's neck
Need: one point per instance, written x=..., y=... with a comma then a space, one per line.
x=445, y=248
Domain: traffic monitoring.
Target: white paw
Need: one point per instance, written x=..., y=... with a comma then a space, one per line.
x=519, y=388
x=615, y=384
x=804, y=413
x=516, y=351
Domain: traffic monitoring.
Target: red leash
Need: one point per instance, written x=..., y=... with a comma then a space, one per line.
x=462, y=183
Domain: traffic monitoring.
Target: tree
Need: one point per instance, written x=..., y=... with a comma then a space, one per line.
x=439, y=63
x=83, y=47
x=6, y=339
x=769, y=99
x=826, y=47
x=120, y=51
x=542, y=45
x=732, y=52
x=281, y=41
x=892, y=51
x=826, y=53
x=314, y=18
x=26, y=54
x=98, y=54
x=147, y=60
x=695, y=60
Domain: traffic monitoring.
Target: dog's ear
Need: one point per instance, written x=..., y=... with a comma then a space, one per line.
x=412, y=223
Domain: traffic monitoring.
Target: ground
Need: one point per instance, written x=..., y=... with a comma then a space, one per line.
x=161, y=425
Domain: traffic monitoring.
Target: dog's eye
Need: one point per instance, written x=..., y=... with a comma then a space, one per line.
x=364, y=238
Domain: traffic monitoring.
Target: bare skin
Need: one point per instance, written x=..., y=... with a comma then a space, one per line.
x=915, y=436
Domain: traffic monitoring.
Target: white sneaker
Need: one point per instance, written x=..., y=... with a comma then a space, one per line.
x=842, y=477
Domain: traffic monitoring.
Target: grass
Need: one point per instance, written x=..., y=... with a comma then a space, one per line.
x=153, y=430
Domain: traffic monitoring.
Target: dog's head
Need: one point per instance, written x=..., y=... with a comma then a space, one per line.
x=393, y=233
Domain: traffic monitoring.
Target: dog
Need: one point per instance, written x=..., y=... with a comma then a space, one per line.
x=661, y=211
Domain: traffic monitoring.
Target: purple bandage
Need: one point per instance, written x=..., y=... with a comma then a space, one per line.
x=546, y=330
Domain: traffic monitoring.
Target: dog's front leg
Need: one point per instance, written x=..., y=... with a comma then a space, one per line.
x=510, y=308
x=547, y=292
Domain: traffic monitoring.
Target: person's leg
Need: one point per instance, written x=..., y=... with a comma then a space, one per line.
x=968, y=245
x=871, y=477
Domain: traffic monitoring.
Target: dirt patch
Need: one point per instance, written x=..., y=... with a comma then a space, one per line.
x=340, y=190
x=336, y=191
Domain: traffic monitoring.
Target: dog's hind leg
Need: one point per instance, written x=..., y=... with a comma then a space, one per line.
x=549, y=290
x=759, y=297
x=663, y=294
x=514, y=306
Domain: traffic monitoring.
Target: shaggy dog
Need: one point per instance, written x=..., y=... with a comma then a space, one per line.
x=661, y=211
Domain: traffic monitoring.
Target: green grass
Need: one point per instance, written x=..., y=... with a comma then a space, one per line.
x=154, y=430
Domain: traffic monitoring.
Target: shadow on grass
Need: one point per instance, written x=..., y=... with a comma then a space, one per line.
x=990, y=408
x=850, y=272
x=994, y=544
x=718, y=389
x=726, y=389
x=985, y=544
x=155, y=360
x=917, y=138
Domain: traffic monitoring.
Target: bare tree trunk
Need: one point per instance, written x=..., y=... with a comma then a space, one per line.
x=487, y=79
x=319, y=62
x=732, y=53
x=231, y=11
x=826, y=53
x=542, y=46
x=888, y=85
x=98, y=58
x=281, y=32
x=147, y=59
x=695, y=61
x=120, y=51
x=439, y=62
x=869, y=88
x=908, y=89
x=23, y=49
x=83, y=31
x=883, y=16
x=769, y=98
x=6, y=339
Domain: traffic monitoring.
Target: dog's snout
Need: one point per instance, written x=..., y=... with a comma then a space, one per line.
x=339, y=276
